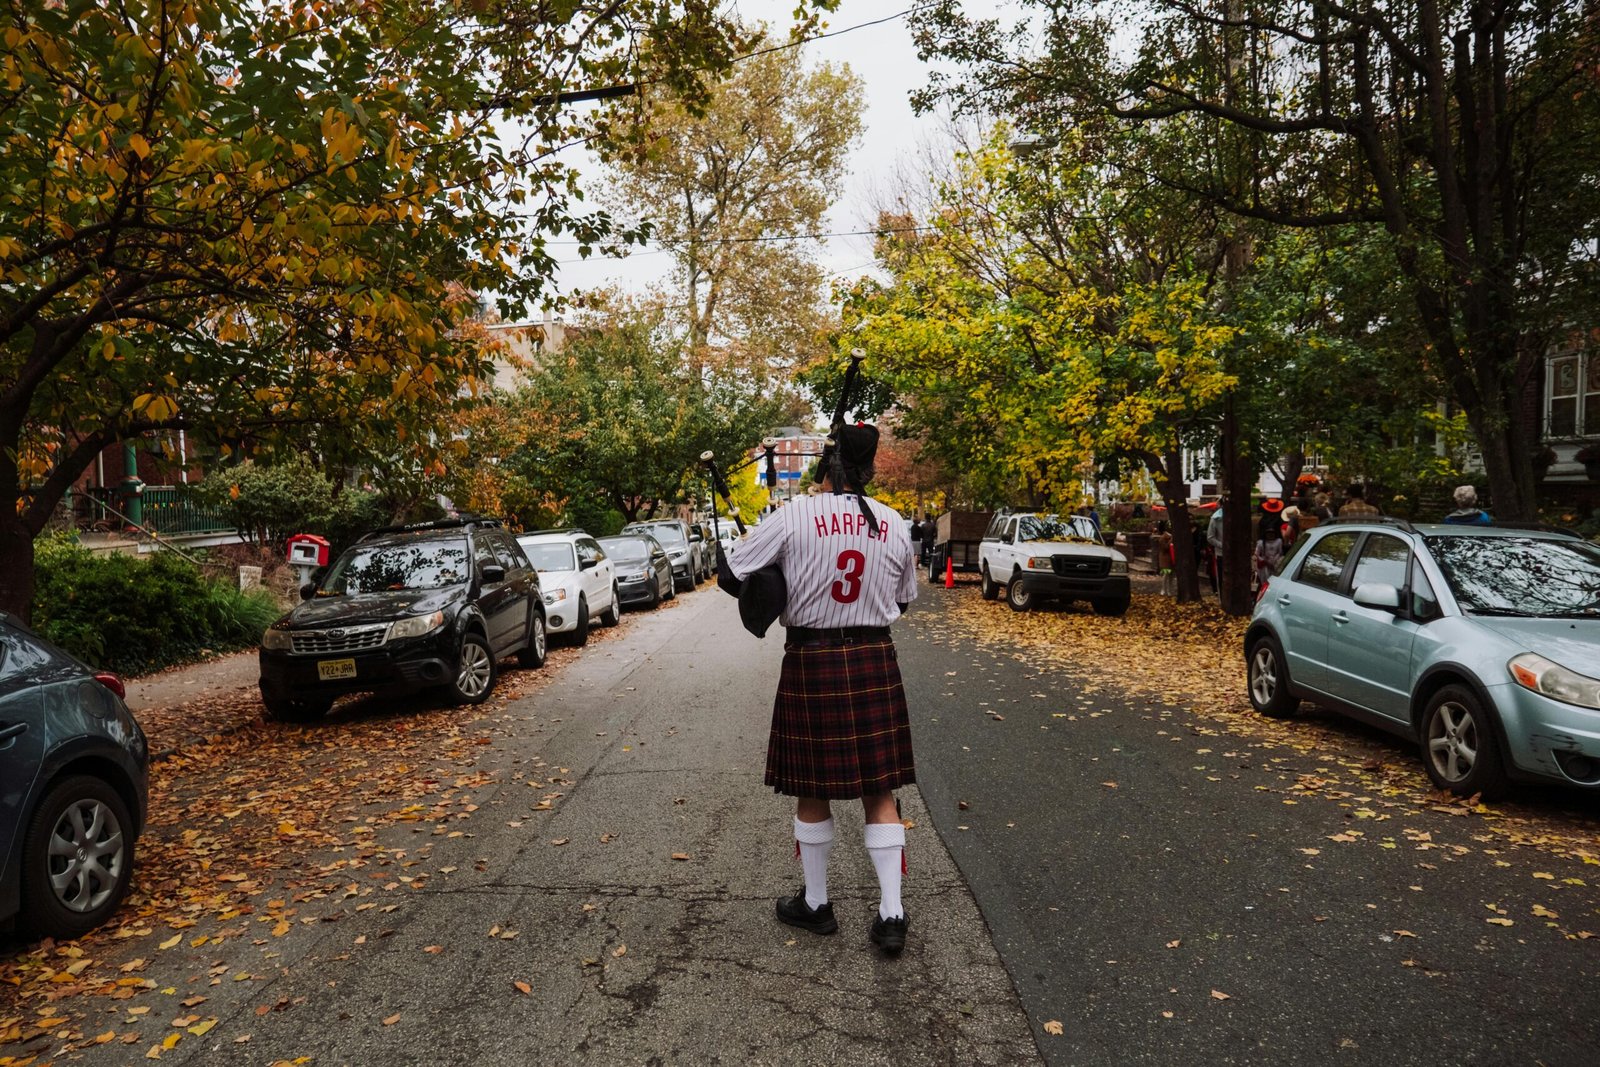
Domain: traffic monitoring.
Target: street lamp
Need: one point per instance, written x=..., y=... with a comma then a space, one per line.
x=1024, y=145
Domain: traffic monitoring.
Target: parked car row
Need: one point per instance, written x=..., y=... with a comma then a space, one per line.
x=431, y=606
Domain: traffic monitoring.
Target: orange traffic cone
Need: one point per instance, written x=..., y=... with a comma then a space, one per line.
x=949, y=573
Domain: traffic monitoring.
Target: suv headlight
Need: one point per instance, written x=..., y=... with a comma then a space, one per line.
x=555, y=596
x=1119, y=566
x=276, y=639
x=415, y=626
x=1039, y=563
x=1534, y=672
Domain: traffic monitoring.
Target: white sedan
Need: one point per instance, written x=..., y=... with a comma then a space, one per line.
x=578, y=578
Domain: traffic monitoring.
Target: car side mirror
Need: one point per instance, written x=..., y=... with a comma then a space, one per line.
x=492, y=573
x=695, y=537
x=1378, y=595
x=308, y=590
x=1006, y=538
x=588, y=564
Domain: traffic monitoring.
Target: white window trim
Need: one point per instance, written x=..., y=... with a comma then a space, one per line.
x=1579, y=430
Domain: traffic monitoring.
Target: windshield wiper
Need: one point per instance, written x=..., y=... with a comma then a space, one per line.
x=1510, y=612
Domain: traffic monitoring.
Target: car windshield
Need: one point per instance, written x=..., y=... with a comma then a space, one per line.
x=550, y=556
x=1047, y=528
x=669, y=536
x=627, y=549
x=381, y=568
x=1520, y=575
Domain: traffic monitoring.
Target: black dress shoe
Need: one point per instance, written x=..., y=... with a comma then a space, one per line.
x=796, y=912
x=889, y=934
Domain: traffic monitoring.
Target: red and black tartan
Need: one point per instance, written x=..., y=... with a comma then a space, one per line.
x=840, y=728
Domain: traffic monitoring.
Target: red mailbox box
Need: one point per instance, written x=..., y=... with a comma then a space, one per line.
x=308, y=550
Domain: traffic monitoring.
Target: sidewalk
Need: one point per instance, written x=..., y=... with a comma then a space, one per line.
x=183, y=705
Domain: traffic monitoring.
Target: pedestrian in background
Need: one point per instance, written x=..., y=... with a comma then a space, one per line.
x=1355, y=504
x=1291, y=524
x=1467, y=512
x=840, y=727
x=1269, y=548
x=1214, y=543
x=916, y=537
x=1165, y=558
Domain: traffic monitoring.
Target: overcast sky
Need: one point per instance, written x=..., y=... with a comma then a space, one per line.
x=886, y=61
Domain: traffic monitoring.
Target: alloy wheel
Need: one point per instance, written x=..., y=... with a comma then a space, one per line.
x=1263, y=676
x=476, y=668
x=86, y=855
x=1453, y=741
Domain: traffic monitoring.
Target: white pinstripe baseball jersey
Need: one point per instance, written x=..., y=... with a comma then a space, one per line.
x=838, y=572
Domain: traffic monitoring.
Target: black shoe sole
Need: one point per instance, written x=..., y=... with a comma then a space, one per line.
x=829, y=927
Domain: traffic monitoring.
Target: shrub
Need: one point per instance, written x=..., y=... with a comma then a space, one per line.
x=134, y=614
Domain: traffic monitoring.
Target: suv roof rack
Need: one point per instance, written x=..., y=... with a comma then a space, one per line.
x=555, y=530
x=460, y=523
x=1382, y=520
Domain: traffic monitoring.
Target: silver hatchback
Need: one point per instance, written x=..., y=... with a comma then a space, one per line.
x=1480, y=643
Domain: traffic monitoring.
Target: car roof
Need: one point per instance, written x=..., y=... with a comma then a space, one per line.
x=400, y=537
x=1446, y=529
x=549, y=537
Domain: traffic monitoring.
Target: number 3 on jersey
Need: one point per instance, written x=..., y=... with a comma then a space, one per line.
x=850, y=565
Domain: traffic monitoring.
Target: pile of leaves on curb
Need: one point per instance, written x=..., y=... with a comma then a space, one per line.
x=1187, y=660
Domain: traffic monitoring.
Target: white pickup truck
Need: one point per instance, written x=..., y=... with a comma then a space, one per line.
x=1033, y=557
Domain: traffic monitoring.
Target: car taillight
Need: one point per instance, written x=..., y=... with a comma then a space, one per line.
x=1263, y=590
x=113, y=683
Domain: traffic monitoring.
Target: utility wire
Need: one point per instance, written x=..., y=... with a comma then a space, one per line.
x=611, y=92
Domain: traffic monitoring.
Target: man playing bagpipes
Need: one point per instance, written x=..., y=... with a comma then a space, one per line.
x=840, y=568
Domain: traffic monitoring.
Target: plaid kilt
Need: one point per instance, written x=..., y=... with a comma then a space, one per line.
x=840, y=728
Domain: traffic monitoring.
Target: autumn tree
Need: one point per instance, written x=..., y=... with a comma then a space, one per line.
x=629, y=414
x=239, y=219
x=722, y=180
x=1467, y=134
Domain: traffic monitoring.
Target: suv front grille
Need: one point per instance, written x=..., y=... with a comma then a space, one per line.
x=338, y=639
x=1069, y=566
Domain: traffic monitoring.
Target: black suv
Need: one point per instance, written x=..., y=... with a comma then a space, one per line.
x=406, y=607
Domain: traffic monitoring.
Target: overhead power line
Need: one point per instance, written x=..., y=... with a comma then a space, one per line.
x=612, y=92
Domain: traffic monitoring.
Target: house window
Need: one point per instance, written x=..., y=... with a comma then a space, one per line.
x=1573, y=409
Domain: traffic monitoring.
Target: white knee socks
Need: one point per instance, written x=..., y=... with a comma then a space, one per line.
x=816, y=841
x=886, y=844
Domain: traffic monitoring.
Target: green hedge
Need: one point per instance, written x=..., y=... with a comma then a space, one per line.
x=133, y=614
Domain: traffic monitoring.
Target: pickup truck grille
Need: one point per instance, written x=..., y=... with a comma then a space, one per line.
x=1073, y=566
x=338, y=639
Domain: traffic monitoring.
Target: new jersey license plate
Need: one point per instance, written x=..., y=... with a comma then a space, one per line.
x=331, y=670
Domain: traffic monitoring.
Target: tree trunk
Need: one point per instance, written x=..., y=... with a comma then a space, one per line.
x=1293, y=464
x=16, y=568
x=1175, y=495
x=1237, y=478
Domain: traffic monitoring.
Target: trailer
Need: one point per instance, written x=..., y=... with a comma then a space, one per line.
x=957, y=537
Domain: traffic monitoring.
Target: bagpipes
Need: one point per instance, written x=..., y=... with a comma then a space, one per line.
x=763, y=593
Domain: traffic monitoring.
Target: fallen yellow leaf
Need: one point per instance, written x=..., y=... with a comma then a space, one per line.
x=523, y=987
x=1053, y=1027
x=391, y=1020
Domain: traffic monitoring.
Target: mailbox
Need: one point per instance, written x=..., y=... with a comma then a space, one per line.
x=308, y=550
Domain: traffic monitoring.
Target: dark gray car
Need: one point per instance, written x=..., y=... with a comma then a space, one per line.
x=644, y=570
x=73, y=783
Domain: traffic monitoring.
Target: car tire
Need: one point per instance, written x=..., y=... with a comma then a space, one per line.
x=655, y=594
x=538, y=647
x=1018, y=598
x=613, y=615
x=990, y=589
x=62, y=895
x=1460, y=747
x=475, y=670
x=1115, y=606
x=295, y=709
x=580, y=632
x=672, y=588
x=1268, y=680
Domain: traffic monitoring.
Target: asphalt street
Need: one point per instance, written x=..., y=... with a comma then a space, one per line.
x=606, y=898
x=1151, y=883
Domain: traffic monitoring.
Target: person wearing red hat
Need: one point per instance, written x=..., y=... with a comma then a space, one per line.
x=1269, y=541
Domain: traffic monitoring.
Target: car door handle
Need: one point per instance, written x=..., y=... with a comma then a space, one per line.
x=11, y=730
x=1284, y=601
x=1341, y=617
